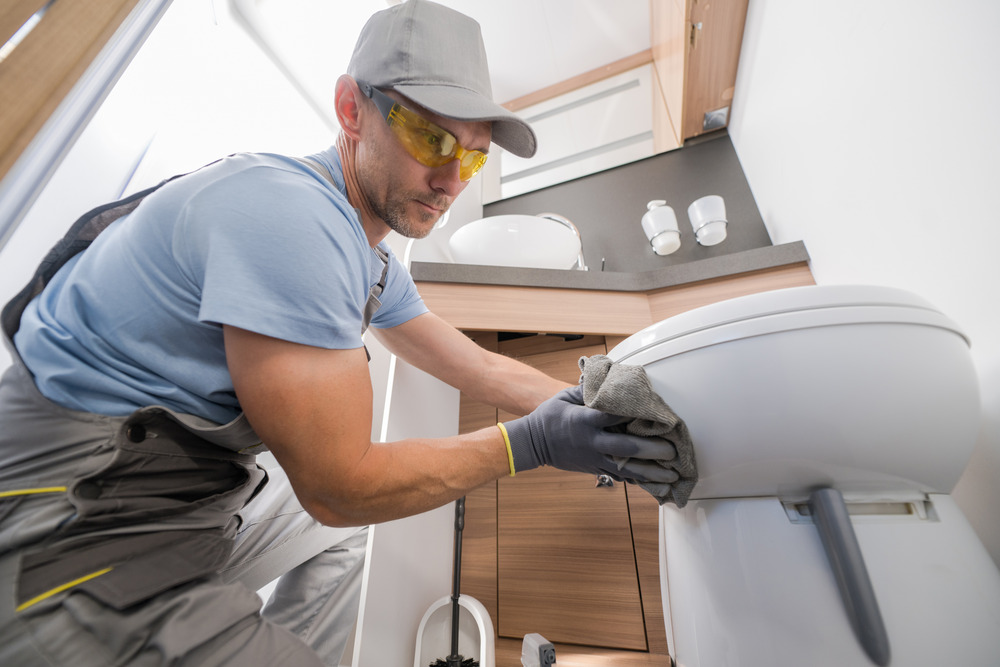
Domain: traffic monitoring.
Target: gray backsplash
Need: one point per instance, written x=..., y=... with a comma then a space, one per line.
x=608, y=206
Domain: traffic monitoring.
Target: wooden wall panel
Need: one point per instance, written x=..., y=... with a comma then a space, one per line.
x=713, y=55
x=14, y=14
x=534, y=309
x=44, y=67
x=675, y=300
x=592, y=312
x=575, y=83
x=668, y=40
x=479, y=538
x=566, y=565
x=644, y=512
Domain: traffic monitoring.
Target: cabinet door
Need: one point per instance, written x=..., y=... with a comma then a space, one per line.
x=713, y=53
x=479, y=537
x=566, y=566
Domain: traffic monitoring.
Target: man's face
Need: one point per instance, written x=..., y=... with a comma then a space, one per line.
x=408, y=196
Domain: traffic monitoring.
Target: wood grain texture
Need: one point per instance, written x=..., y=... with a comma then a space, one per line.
x=535, y=309
x=591, y=312
x=644, y=513
x=675, y=300
x=479, y=538
x=579, y=81
x=14, y=14
x=566, y=566
x=45, y=66
x=668, y=42
x=545, y=343
x=508, y=654
x=713, y=55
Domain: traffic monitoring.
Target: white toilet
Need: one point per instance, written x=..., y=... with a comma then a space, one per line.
x=865, y=395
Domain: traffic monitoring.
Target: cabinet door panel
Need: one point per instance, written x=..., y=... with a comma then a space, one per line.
x=479, y=539
x=566, y=566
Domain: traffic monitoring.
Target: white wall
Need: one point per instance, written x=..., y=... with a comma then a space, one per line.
x=868, y=130
x=409, y=566
x=197, y=90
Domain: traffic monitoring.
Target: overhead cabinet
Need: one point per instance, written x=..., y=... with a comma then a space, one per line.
x=592, y=128
x=696, y=49
x=642, y=105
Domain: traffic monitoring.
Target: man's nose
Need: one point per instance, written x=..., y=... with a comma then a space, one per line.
x=446, y=179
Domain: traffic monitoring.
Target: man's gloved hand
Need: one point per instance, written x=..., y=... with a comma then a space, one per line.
x=564, y=433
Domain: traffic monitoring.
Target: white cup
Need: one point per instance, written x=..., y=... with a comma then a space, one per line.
x=708, y=219
x=660, y=225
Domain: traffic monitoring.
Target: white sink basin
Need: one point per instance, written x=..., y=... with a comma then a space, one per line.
x=528, y=241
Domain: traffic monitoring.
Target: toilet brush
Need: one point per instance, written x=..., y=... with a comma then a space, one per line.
x=454, y=659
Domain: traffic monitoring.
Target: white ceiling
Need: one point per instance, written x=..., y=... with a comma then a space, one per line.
x=530, y=44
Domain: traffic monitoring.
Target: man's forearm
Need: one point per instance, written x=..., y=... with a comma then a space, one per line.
x=514, y=386
x=435, y=347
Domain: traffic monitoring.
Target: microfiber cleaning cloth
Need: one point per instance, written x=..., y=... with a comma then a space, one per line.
x=625, y=391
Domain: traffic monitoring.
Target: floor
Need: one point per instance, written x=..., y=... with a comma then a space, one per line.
x=508, y=654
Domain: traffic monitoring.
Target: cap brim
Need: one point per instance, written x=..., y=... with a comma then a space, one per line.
x=510, y=132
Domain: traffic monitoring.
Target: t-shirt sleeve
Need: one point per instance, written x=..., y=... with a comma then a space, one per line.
x=400, y=300
x=277, y=255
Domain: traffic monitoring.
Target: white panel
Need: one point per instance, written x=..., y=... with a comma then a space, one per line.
x=866, y=138
x=410, y=562
x=596, y=127
x=748, y=588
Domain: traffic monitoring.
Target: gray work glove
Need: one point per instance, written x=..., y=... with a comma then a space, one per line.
x=564, y=433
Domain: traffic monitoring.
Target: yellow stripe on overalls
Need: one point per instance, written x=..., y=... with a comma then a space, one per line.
x=60, y=589
x=28, y=492
x=63, y=587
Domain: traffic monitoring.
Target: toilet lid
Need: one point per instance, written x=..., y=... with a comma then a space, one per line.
x=778, y=310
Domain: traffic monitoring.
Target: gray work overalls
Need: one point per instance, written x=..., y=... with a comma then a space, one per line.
x=117, y=534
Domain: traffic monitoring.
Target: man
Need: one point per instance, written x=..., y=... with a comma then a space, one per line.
x=223, y=310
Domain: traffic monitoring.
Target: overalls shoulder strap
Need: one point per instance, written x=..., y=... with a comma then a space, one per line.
x=375, y=293
x=77, y=239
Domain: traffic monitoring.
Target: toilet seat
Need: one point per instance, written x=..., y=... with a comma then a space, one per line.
x=778, y=310
x=868, y=389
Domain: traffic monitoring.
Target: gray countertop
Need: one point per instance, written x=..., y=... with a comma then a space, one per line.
x=756, y=259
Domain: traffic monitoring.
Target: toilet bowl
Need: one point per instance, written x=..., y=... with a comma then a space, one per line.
x=865, y=392
x=867, y=388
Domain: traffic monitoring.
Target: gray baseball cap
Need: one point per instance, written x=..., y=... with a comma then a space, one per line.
x=435, y=56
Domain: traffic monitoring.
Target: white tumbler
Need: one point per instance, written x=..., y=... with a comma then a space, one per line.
x=660, y=225
x=708, y=219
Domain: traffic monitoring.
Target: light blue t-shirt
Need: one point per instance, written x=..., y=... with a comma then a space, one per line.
x=255, y=241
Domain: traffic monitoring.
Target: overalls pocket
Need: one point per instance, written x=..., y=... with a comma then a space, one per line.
x=120, y=571
x=154, y=469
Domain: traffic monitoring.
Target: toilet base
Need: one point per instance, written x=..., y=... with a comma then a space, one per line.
x=746, y=583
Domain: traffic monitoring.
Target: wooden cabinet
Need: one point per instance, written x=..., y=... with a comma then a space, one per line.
x=551, y=552
x=41, y=69
x=696, y=48
x=547, y=551
x=566, y=567
x=640, y=105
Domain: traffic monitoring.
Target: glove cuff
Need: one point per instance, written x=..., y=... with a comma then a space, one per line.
x=510, y=454
x=519, y=438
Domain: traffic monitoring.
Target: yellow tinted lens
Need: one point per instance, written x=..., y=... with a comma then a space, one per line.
x=431, y=145
x=472, y=162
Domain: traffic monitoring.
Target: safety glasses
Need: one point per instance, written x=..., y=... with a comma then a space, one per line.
x=429, y=144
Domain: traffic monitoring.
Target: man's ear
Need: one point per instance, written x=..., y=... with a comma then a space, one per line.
x=347, y=104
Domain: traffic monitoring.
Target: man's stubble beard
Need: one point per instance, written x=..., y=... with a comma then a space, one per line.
x=392, y=210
